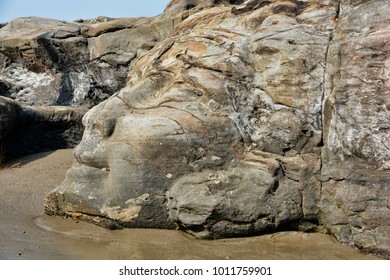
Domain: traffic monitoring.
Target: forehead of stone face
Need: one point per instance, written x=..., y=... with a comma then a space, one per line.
x=203, y=61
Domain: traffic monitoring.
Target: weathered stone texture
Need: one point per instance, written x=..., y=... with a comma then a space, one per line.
x=218, y=129
x=236, y=117
x=46, y=62
x=356, y=155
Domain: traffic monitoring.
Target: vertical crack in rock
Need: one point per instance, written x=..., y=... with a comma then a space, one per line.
x=354, y=177
x=327, y=86
x=328, y=78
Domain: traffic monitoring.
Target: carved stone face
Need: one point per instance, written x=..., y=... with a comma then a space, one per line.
x=194, y=140
x=160, y=127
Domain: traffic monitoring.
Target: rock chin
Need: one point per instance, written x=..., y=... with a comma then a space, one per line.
x=224, y=118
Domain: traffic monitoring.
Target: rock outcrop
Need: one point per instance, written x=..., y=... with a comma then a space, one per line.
x=51, y=62
x=236, y=118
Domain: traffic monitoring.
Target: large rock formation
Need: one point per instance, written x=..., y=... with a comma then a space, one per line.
x=46, y=62
x=243, y=117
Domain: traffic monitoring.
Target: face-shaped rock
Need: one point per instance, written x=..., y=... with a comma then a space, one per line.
x=151, y=133
x=203, y=135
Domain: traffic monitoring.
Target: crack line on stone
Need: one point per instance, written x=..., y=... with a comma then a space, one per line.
x=193, y=115
x=330, y=39
x=323, y=97
x=124, y=102
x=276, y=33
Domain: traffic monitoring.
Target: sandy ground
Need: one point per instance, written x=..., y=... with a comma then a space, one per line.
x=26, y=233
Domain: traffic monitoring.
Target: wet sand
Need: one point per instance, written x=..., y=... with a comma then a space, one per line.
x=26, y=233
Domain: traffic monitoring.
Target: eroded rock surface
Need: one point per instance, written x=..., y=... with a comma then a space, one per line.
x=355, y=200
x=218, y=130
x=242, y=117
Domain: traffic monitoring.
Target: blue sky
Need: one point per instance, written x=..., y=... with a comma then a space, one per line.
x=75, y=9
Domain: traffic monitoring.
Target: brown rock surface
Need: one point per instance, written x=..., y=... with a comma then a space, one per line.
x=51, y=63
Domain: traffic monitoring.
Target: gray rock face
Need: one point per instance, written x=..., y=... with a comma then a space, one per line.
x=8, y=114
x=249, y=117
x=356, y=156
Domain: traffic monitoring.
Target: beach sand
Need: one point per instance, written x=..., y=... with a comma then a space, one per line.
x=27, y=233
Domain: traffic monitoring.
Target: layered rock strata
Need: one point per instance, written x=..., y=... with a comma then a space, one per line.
x=218, y=129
